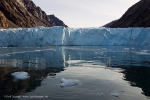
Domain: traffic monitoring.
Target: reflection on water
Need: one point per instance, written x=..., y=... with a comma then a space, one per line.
x=138, y=77
x=68, y=56
x=93, y=66
x=10, y=87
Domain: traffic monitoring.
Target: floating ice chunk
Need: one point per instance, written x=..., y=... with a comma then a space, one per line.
x=114, y=93
x=123, y=91
x=100, y=94
x=20, y=75
x=144, y=50
x=142, y=53
x=126, y=49
x=69, y=82
x=37, y=50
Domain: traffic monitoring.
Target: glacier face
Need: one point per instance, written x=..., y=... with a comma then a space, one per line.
x=61, y=36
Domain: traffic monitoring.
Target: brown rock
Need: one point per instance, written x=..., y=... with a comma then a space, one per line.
x=55, y=21
x=3, y=21
x=24, y=13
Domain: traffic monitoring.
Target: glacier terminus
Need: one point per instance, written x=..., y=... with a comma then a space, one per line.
x=61, y=36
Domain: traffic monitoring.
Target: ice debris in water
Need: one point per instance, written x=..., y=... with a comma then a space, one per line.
x=20, y=75
x=100, y=94
x=126, y=49
x=123, y=91
x=143, y=52
x=114, y=93
x=69, y=82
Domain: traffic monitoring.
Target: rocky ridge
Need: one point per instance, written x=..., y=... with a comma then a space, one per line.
x=24, y=13
x=136, y=16
x=3, y=20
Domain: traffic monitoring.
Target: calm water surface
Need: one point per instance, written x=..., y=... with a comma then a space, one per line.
x=99, y=70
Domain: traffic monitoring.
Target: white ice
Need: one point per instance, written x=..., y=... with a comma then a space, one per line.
x=143, y=52
x=114, y=93
x=69, y=82
x=47, y=36
x=20, y=75
x=100, y=94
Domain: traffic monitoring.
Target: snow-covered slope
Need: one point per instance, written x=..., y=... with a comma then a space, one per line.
x=44, y=36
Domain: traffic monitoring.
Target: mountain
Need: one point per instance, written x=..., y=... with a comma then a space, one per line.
x=109, y=24
x=24, y=13
x=57, y=21
x=136, y=16
x=3, y=20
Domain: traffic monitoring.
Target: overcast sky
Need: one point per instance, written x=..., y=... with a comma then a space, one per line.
x=85, y=13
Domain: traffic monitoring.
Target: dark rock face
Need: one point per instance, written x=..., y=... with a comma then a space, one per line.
x=56, y=21
x=110, y=24
x=136, y=16
x=24, y=13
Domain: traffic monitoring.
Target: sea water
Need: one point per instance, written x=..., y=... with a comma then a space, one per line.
x=104, y=72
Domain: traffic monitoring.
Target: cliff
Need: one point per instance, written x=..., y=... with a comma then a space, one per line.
x=24, y=13
x=136, y=16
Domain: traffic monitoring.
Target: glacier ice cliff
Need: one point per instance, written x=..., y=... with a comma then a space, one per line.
x=61, y=36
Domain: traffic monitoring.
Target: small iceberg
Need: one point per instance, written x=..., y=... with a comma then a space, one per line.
x=20, y=75
x=114, y=93
x=69, y=82
x=100, y=94
x=123, y=91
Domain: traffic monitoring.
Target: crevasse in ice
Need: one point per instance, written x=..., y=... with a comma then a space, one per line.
x=48, y=36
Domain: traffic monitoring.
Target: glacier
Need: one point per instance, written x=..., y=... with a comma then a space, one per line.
x=61, y=36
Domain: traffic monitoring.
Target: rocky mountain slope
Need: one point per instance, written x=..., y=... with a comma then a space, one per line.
x=136, y=16
x=24, y=13
x=3, y=20
x=109, y=24
x=56, y=21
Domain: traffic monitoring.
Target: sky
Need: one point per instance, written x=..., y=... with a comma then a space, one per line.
x=85, y=13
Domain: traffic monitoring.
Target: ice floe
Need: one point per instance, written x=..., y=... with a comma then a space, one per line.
x=100, y=94
x=20, y=75
x=114, y=93
x=69, y=82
